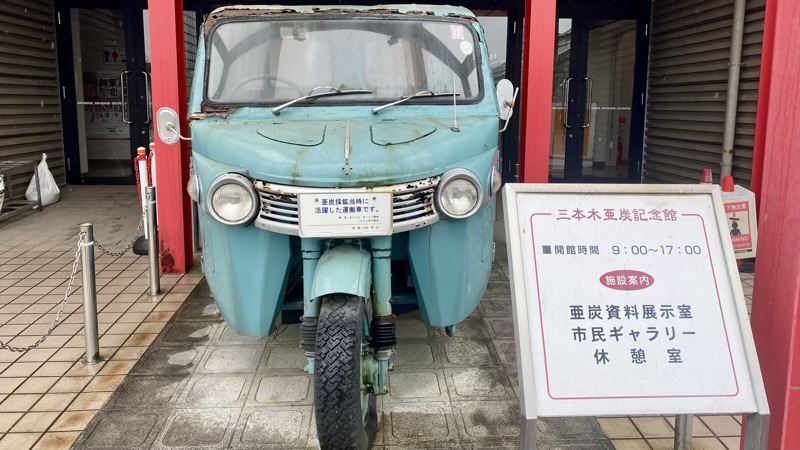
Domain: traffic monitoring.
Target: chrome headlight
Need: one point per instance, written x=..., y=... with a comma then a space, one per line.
x=232, y=199
x=459, y=194
x=193, y=188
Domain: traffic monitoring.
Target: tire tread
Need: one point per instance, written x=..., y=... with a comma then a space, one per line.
x=337, y=383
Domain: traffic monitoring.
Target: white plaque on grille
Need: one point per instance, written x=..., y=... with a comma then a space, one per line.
x=345, y=214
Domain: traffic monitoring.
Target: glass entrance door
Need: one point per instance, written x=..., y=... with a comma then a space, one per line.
x=563, y=102
x=108, y=98
x=598, y=94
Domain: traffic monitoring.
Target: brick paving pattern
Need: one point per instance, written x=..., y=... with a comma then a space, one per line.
x=209, y=388
x=46, y=396
x=178, y=378
x=201, y=385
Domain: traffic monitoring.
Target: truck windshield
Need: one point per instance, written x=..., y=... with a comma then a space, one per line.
x=273, y=61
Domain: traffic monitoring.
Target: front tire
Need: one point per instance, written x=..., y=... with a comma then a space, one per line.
x=345, y=412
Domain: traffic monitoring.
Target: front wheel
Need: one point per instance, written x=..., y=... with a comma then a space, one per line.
x=345, y=410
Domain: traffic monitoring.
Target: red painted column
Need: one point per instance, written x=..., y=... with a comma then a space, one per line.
x=168, y=67
x=776, y=298
x=764, y=90
x=537, y=90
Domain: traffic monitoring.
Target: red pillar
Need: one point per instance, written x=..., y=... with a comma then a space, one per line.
x=776, y=299
x=168, y=67
x=537, y=90
x=764, y=89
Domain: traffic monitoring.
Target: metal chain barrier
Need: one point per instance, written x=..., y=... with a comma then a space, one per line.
x=85, y=254
x=56, y=321
x=127, y=247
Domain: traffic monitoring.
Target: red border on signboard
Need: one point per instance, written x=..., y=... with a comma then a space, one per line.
x=719, y=301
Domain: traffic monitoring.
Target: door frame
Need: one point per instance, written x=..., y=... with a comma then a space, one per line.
x=136, y=84
x=582, y=12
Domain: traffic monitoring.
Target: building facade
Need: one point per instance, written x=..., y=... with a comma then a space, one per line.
x=646, y=80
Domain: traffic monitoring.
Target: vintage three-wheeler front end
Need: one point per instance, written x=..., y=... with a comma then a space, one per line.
x=345, y=169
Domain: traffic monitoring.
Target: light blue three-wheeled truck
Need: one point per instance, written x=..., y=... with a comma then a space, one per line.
x=345, y=162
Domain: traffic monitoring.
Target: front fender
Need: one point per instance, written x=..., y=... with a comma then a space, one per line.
x=346, y=269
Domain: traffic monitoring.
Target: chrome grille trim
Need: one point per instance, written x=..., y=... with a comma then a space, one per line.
x=412, y=204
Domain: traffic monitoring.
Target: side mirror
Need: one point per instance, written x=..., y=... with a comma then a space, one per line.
x=169, y=127
x=506, y=97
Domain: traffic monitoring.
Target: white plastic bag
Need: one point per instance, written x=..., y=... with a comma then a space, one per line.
x=47, y=185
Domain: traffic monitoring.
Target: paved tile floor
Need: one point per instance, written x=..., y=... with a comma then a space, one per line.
x=47, y=396
x=183, y=380
x=201, y=386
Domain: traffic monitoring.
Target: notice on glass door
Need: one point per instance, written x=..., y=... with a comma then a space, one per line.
x=104, y=106
x=114, y=56
x=630, y=299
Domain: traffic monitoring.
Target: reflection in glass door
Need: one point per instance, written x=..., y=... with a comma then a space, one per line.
x=104, y=69
x=599, y=74
x=146, y=73
x=610, y=75
x=102, y=86
x=105, y=87
x=561, y=84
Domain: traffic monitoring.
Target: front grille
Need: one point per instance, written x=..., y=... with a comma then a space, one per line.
x=412, y=205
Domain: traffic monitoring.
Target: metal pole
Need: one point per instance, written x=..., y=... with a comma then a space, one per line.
x=756, y=431
x=152, y=247
x=683, y=432
x=38, y=186
x=89, y=297
x=732, y=98
x=528, y=434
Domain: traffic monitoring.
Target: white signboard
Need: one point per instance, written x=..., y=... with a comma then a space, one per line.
x=326, y=214
x=627, y=301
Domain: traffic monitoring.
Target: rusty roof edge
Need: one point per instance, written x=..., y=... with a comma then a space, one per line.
x=411, y=8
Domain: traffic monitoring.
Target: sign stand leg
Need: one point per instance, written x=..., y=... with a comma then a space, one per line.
x=683, y=432
x=756, y=431
x=528, y=435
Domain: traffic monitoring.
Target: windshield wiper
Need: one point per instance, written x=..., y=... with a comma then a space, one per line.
x=409, y=97
x=331, y=91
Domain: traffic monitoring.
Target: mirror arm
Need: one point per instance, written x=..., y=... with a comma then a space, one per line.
x=511, y=110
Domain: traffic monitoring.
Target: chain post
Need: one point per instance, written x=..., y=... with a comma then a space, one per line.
x=89, y=297
x=152, y=242
x=57, y=320
x=84, y=253
x=127, y=247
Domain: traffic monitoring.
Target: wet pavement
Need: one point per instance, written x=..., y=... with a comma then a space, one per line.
x=46, y=396
x=177, y=378
x=201, y=386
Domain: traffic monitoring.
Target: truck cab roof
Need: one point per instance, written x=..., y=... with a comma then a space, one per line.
x=403, y=9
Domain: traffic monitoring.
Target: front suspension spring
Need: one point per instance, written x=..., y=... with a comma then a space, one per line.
x=382, y=333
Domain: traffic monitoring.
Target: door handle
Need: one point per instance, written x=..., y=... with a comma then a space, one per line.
x=565, y=105
x=123, y=77
x=588, y=121
x=148, y=96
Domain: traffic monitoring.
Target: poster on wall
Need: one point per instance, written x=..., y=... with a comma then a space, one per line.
x=740, y=209
x=113, y=56
x=103, y=106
